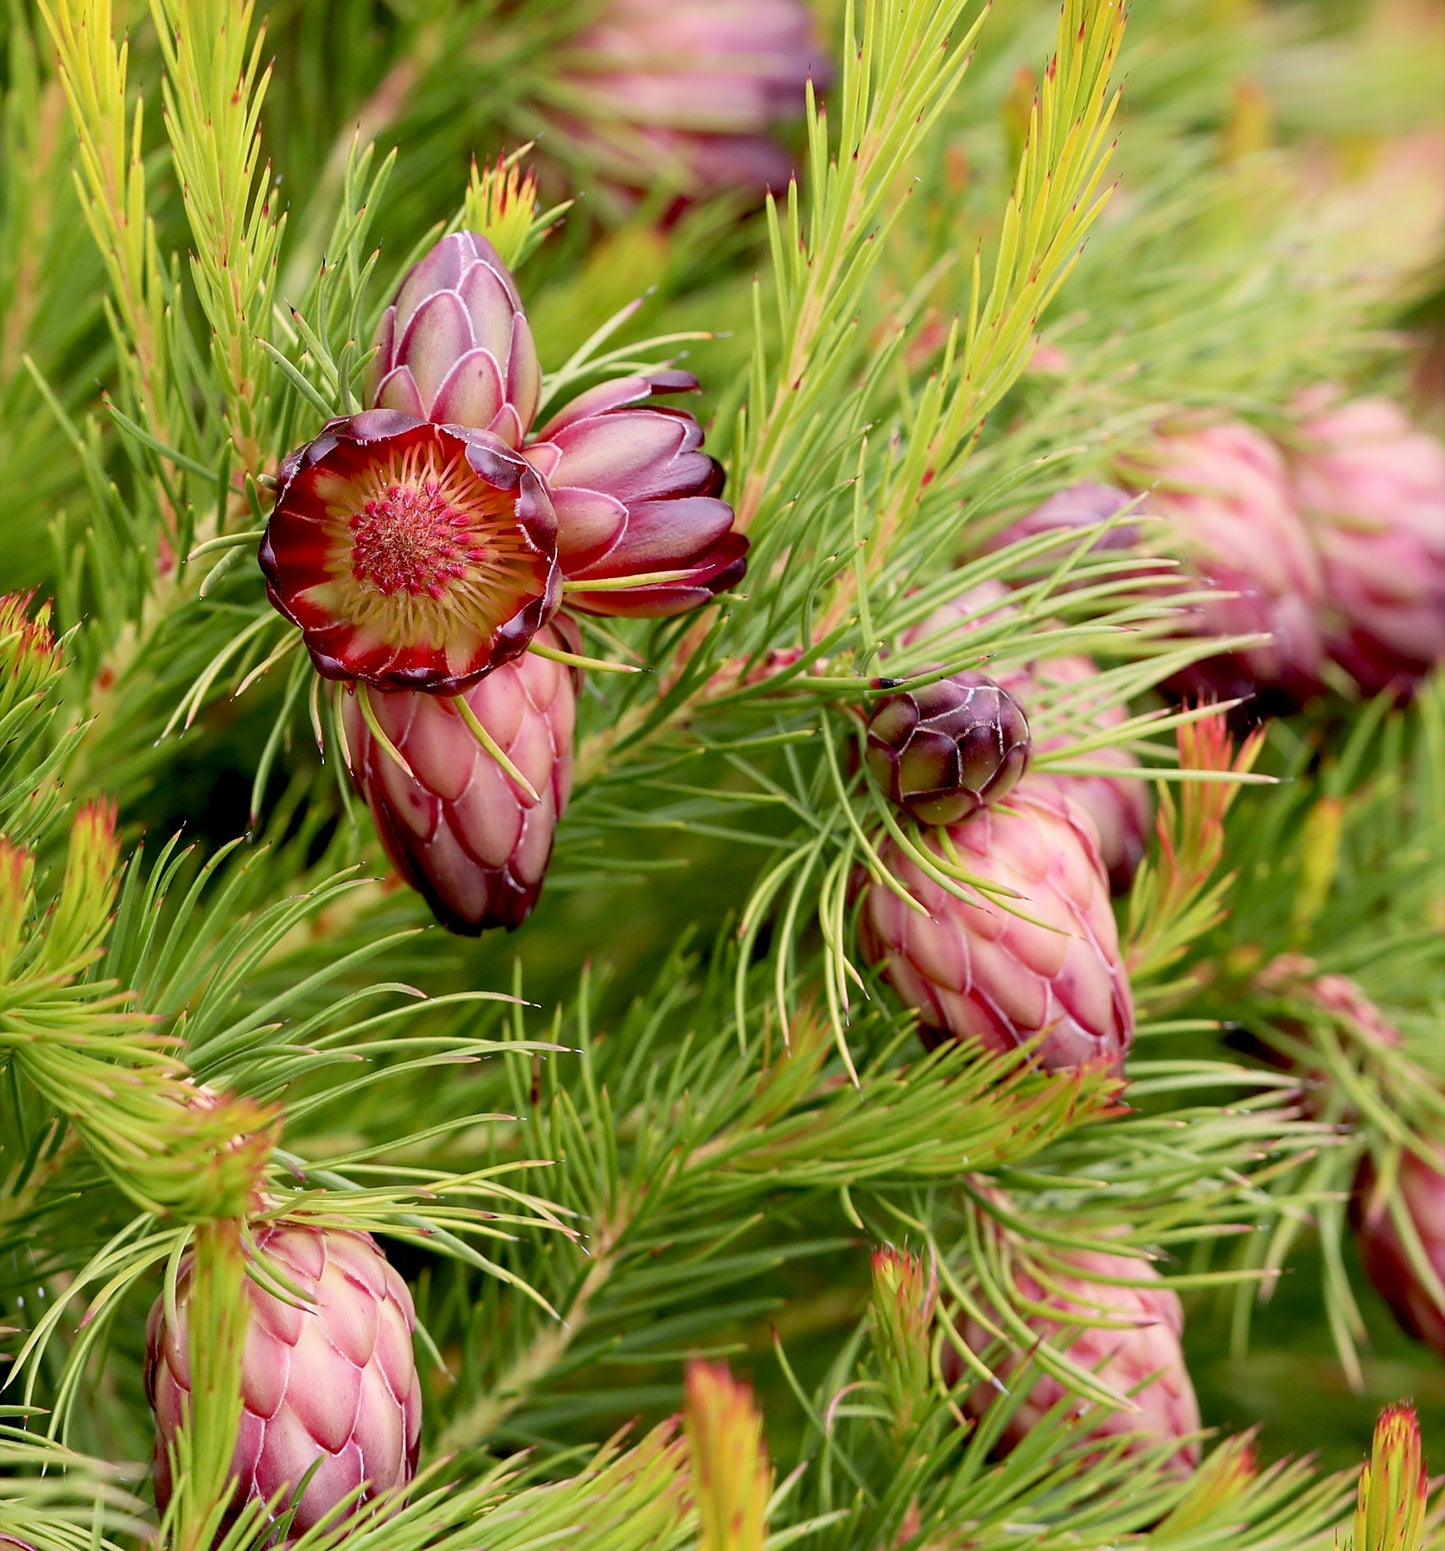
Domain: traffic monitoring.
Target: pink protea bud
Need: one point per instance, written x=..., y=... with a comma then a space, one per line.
x=1080, y=506
x=458, y=829
x=1134, y=1349
x=1119, y=806
x=329, y=1379
x=943, y=751
x=411, y=555
x=1235, y=525
x=1372, y=488
x=684, y=95
x=1419, y=1198
x=635, y=496
x=976, y=970
x=455, y=346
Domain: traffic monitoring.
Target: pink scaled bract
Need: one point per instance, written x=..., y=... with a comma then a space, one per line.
x=975, y=969
x=685, y=96
x=328, y=1380
x=1234, y=525
x=1372, y=488
x=1134, y=1349
x=458, y=828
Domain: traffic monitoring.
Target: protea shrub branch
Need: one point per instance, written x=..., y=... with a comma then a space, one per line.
x=934, y=660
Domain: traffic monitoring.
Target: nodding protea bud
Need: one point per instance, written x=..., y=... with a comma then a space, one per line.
x=943, y=751
x=1416, y=1299
x=458, y=828
x=455, y=346
x=683, y=96
x=1043, y=967
x=636, y=498
x=1119, y=806
x=1372, y=488
x=411, y=555
x=1134, y=1350
x=1235, y=526
x=328, y=1378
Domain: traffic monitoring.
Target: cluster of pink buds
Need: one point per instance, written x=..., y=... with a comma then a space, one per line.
x=429, y=548
x=1329, y=541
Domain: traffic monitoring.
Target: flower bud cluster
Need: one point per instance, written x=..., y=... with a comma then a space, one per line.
x=1328, y=541
x=429, y=548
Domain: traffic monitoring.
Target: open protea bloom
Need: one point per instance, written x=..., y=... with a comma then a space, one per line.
x=411, y=555
x=455, y=346
x=654, y=92
x=1372, y=488
x=636, y=497
x=458, y=828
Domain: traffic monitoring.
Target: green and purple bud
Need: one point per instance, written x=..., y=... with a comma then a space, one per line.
x=637, y=501
x=458, y=828
x=1372, y=488
x=411, y=555
x=328, y=1377
x=944, y=751
x=455, y=346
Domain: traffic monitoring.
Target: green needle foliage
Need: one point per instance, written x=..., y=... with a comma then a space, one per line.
x=691, y=1219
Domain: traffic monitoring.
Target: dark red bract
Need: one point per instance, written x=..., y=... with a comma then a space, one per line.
x=411, y=555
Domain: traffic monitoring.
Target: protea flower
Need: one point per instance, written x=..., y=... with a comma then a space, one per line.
x=459, y=829
x=1372, y=488
x=943, y=751
x=684, y=96
x=1135, y=1351
x=328, y=1382
x=1235, y=525
x=976, y=970
x=1120, y=807
x=636, y=497
x=411, y=555
x=1419, y=1198
x=455, y=346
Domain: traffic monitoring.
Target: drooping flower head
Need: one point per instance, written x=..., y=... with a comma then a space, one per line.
x=411, y=555
x=636, y=496
x=455, y=345
x=684, y=96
